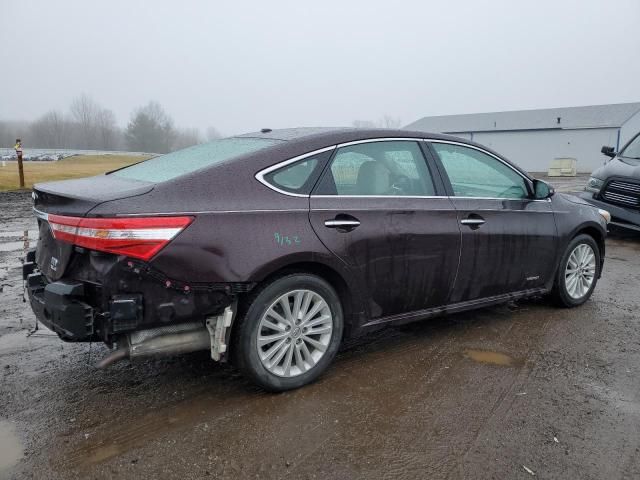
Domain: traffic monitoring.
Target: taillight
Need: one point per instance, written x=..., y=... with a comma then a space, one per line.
x=138, y=237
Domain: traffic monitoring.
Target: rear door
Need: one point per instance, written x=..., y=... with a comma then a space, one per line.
x=508, y=238
x=379, y=210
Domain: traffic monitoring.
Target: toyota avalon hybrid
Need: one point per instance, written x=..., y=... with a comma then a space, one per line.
x=268, y=249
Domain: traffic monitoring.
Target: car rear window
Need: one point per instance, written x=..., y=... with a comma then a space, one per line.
x=181, y=162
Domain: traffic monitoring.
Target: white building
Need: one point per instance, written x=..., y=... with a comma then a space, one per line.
x=533, y=138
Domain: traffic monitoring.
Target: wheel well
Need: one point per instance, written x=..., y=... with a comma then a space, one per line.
x=596, y=235
x=327, y=274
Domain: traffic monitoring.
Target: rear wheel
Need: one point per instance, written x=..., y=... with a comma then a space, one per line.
x=290, y=333
x=578, y=272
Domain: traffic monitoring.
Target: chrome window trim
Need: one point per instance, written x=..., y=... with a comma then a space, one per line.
x=452, y=197
x=379, y=196
x=503, y=199
x=383, y=139
x=260, y=175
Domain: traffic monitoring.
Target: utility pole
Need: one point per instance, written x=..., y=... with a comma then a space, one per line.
x=18, y=149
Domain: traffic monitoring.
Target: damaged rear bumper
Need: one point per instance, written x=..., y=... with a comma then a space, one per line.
x=81, y=311
x=57, y=306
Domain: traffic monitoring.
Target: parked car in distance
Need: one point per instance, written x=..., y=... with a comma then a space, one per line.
x=616, y=185
x=269, y=248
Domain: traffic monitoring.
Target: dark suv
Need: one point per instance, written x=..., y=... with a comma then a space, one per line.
x=269, y=248
x=616, y=185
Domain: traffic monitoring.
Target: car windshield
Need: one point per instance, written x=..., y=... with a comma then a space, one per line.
x=181, y=162
x=632, y=151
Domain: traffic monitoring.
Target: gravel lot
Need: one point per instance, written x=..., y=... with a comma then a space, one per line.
x=496, y=393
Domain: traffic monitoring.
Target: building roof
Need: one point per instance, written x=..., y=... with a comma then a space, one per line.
x=593, y=116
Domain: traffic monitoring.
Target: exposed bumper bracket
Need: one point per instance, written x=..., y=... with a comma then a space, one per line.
x=218, y=331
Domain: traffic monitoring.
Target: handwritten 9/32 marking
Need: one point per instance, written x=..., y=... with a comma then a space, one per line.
x=286, y=240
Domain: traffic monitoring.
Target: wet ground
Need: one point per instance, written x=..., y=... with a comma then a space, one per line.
x=505, y=392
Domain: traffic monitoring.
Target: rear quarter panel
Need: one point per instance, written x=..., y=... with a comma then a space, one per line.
x=240, y=246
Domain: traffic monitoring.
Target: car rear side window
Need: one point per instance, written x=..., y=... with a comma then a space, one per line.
x=298, y=177
x=182, y=162
x=473, y=173
x=386, y=168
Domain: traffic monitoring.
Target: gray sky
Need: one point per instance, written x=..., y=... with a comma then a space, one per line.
x=242, y=65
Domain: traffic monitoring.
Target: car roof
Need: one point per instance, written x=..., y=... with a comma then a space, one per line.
x=341, y=134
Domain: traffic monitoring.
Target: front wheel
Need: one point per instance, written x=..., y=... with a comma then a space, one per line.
x=290, y=333
x=578, y=272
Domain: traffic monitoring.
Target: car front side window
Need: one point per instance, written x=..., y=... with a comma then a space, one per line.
x=384, y=168
x=473, y=173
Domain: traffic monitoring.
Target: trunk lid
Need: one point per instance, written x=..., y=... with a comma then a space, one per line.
x=75, y=198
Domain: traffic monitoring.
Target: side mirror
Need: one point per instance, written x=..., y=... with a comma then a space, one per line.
x=608, y=151
x=542, y=190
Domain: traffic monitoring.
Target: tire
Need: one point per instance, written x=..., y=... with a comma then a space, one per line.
x=305, y=350
x=569, y=291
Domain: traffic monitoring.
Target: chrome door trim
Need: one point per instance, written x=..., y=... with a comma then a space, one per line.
x=432, y=197
x=377, y=196
x=472, y=221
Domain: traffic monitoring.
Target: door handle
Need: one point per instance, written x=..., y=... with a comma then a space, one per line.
x=343, y=223
x=473, y=221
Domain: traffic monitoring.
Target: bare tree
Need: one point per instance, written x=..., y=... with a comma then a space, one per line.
x=363, y=124
x=51, y=130
x=388, y=121
x=11, y=130
x=212, y=134
x=85, y=111
x=186, y=138
x=106, y=129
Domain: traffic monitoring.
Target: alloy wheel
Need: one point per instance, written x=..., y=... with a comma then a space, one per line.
x=294, y=333
x=580, y=271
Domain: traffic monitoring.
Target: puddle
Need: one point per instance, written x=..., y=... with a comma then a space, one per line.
x=10, y=446
x=100, y=454
x=493, y=358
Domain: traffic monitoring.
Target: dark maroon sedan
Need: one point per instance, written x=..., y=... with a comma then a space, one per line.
x=270, y=248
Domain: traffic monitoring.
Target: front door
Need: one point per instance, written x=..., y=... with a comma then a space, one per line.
x=508, y=238
x=376, y=208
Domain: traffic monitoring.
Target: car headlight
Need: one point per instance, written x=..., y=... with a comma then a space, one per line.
x=606, y=215
x=594, y=185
